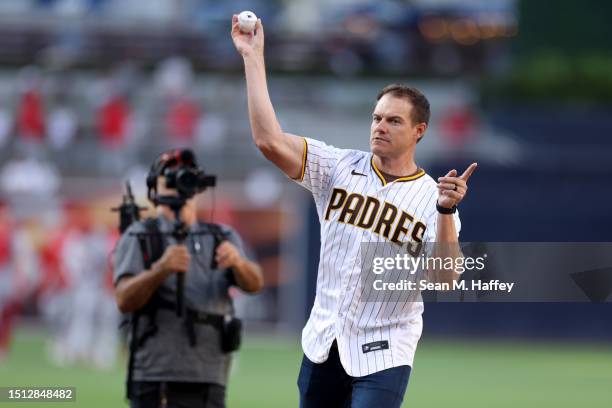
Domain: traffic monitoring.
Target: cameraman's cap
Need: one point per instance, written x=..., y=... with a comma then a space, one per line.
x=173, y=158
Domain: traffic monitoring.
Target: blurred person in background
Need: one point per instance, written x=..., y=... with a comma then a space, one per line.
x=91, y=334
x=112, y=120
x=75, y=298
x=31, y=116
x=182, y=114
x=19, y=269
x=180, y=360
x=115, y=117
x=9, y=305
x=26, y=241
x=54, y=292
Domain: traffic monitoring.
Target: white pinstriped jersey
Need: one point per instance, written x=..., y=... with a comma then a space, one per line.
x=356, y=205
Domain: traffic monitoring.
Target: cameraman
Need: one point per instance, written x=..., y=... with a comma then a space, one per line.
x=179, y=361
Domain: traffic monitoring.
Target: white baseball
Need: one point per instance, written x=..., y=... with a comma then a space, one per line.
x=247, y=21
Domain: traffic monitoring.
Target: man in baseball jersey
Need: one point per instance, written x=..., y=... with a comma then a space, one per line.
x=359, y=353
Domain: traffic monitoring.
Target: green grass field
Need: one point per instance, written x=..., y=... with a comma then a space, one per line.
x=446, y=374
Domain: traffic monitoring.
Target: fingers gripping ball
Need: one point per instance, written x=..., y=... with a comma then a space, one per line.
x=247, y=21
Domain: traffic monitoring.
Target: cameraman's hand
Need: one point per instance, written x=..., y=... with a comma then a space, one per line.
x=228, y=255
x=175, y=259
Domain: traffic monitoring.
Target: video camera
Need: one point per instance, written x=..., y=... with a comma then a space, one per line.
x=187, y=181
x=181, y=173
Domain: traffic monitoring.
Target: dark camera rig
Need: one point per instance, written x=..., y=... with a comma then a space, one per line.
x=181, y=173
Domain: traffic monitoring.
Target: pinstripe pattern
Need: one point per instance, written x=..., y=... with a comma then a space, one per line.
x=338, y=311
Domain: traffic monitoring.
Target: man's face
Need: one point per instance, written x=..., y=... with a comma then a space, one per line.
x=393, y=132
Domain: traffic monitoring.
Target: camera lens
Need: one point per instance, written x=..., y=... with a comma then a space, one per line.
x=187, y=182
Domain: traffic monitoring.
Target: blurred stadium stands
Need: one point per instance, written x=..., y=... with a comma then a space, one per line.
x=346, y=38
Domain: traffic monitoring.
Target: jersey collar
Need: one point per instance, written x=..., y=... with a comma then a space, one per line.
x=419, y=173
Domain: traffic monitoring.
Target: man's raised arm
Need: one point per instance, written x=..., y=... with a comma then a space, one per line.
x=284, y=150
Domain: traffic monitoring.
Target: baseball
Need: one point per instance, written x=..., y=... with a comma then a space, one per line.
x=247, y=21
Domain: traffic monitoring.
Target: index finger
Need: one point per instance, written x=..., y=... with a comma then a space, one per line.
x=468, y=172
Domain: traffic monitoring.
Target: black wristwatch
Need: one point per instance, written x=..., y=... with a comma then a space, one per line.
x=444, y=210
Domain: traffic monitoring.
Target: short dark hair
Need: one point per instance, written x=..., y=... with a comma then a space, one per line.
x=420, y=104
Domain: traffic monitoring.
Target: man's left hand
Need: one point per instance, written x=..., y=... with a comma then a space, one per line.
x=452, y=189
x=227, y=255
